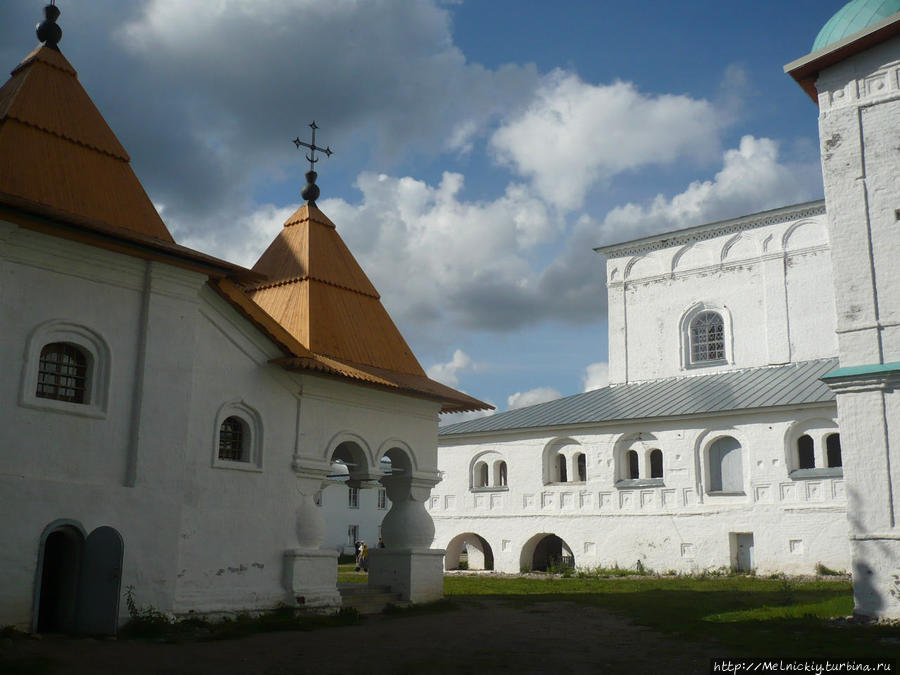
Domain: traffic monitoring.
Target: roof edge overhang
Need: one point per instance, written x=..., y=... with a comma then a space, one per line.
x=297, y=358
x=574, y=427
x=673, y=237
x=806, y=69
x=451, y=400
x=38, y=217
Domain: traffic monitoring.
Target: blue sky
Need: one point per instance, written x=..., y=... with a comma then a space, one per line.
x=482, y=147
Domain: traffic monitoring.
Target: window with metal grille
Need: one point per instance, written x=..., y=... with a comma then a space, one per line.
x=62, y=373
x=233, y=440
x=382, y=499
x=707, y=337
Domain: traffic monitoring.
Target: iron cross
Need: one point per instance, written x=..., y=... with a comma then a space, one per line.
x=313, y=147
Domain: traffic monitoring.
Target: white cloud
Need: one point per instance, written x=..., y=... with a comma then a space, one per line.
x=523, y=399
x=575, y=134
x=448, y=373
x=257, y=230
x=596, y=376
x=233, y=80
x=752, y=179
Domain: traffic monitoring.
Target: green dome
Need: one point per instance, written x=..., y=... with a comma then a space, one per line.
x=853, y=17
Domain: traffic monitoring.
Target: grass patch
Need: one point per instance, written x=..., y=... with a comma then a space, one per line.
x=744, y=615
x=347, y=574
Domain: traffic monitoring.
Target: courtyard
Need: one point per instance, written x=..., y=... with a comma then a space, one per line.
x=586, y=622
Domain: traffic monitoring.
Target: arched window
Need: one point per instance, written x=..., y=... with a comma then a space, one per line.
x=632, y=458
x=806, y=455
x=581, y=463
x=62, y=373
x=233, y=440
x=833, y=450
x=563, y=470
x=707, y=338
x=726, y=466
x=481, y=475
x=656, y=463
x=501, y=474
x=238, y=438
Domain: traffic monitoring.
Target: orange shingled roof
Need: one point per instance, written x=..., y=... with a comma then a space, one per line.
x=299, y=358
x=57, y=151
x=322, y=297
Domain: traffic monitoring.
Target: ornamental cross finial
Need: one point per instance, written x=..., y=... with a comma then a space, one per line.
x=313, y=147
x=311, y=190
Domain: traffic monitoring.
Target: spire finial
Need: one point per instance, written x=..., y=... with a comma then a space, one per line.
x=47, y=31
x=311, y=191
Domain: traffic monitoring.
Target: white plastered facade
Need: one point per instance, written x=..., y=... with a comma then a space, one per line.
x=767, y=276
x=168, y=361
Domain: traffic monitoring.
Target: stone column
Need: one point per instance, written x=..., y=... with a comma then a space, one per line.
x=407, y=564
x=310, y=572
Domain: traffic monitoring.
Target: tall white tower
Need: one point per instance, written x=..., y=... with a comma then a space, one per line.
x=853, y=74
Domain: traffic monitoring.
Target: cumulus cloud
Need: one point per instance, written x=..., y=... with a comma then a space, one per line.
x=523, y=399
x=752, y=179
x=236, y=76
x=448, y=373
x=574, y=134
x=474, y=264
x=596, y=376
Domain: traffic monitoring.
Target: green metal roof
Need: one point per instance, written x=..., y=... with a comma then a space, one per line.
x=853, y=17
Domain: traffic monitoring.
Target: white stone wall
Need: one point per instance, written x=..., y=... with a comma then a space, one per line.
x=767, y=275
x=675, y=525
x=199, y=534
x=859, y=102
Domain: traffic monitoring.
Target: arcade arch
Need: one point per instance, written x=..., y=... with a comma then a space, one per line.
x=479, y=554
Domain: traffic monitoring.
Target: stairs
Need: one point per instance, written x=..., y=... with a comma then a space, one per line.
x=368, y=599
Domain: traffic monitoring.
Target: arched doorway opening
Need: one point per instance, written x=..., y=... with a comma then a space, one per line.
x=60, y=567
x=546, y=551
x=471, y=548
x=79, y=580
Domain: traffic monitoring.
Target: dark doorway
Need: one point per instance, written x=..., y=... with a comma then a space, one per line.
x=59, y=580
x=551, y=552
x=80, y=581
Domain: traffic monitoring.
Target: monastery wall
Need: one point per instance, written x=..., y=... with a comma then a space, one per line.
x=672, y=523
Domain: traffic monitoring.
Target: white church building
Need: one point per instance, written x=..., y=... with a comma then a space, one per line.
x=169, y=420
x=752, y=419
x=715, y=445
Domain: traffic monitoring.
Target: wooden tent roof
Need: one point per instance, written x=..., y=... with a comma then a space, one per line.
x=321, y=295
x=56, y=150
x=318, y=294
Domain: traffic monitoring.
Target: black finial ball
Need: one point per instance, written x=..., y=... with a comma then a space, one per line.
x=47, y=31
x=311, y=191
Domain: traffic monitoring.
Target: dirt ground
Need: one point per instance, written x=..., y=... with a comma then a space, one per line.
x=483, y=635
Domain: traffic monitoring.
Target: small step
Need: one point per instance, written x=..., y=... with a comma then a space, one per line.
x=368, y=599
